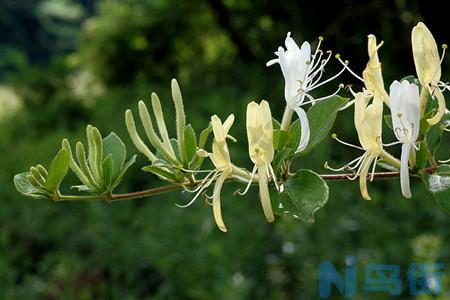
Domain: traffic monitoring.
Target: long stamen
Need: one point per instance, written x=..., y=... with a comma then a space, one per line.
x=315, y=100
x=203, y=187
x=327, y=80
x=250, y=181
x=372, y=174
x=345, y=64
x=334, y=136
x=350, y=103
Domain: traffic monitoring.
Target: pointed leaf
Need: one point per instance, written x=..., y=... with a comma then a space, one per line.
x=113, y=145
x=190, y=143
x=57, y=171
x=122, y=173
x=108, y=167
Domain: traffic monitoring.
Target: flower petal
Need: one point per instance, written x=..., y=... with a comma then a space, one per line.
x=365, y=166
x=426, y=55
x=305, y=131
x=404, y=171
x=217, y=211
x=264, y=193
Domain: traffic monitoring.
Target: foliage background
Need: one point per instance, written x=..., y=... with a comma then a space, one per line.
x=66, y=63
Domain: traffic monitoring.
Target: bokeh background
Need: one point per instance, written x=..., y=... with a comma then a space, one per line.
x=66, y=63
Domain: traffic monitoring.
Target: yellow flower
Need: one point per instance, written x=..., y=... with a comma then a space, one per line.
x=428, y=68
x=260, y=147
x=368, y=123
x=373, y=78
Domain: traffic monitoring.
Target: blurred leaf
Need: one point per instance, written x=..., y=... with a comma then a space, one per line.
x=276, y=125
x=439, y=186
x=190, y=143
x=57, y=171
x=388, y=121
x=113, y=145
x=321, y=120
x=294, y=134
x=161, y=172
x=122, y=173
x=204, y=136
x=305, y=193
x=24, y=187
x=280, y=157
x=108, y=166
x=280, y=139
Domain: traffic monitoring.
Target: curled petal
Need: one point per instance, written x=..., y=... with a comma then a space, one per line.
x=404, y=171
x=365, y=166
x=305, y=131
x=264, y=193
x=217, y=211
x=441, y=108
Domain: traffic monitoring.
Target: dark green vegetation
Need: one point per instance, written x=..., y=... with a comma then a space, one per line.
x=72, y=63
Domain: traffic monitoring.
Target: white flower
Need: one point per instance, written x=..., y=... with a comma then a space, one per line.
x=405, y=109
x=302, y=73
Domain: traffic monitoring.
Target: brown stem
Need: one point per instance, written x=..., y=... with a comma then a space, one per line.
x=174, y=187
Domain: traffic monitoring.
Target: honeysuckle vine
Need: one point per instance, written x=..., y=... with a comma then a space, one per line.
x=200, y=164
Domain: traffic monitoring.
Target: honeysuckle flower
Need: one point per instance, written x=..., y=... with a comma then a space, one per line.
x=260, y=147
x=406, y=121
x=220, y=157
x=302, y=73
x=428, y=68
x=368, y=124
x=372, y=76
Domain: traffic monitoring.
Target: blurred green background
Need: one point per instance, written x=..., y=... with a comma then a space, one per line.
x=65, y=64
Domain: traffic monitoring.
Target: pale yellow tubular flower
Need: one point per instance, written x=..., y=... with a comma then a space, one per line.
x=220, y=157
x=426, y=55
x=428, y=68
x=372, y=75
x=368, y=123
x=260, y=143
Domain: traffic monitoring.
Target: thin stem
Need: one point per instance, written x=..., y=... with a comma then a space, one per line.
x=175, y=187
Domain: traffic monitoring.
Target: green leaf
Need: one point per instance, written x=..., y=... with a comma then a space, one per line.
x=276, y=125
x=113, y=145
x=305, y=193
x=108, y=167
x=175, y=148
x=321, y=120
x=24, y=187
x=204, y=136
x=439, y=186
x=161, y=172
x=280, y=157
x=122, y=173
x=294, y=134
x=57, y=171
x=190, y=143
x=388, y=121
x=280, y=139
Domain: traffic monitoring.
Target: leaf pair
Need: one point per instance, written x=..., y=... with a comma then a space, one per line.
x=102, y=168
x=39, y=182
